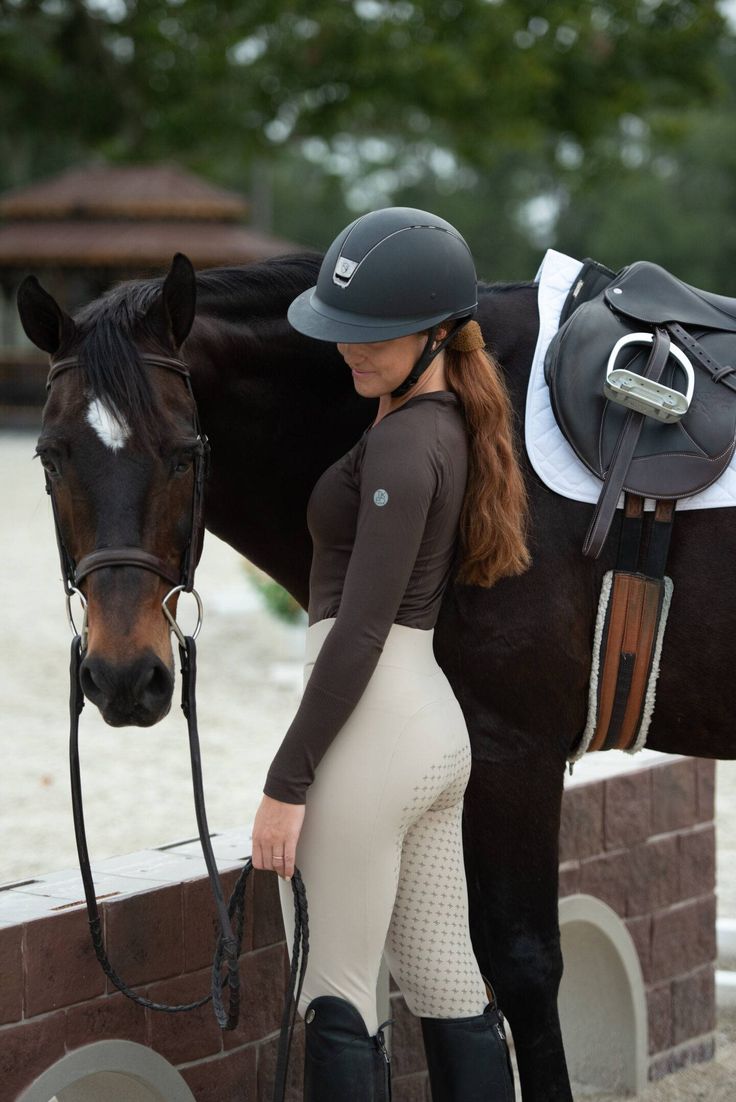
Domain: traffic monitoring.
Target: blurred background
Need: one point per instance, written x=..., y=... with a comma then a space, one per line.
x=602, y=128
x=235, y=130
x=238, y=130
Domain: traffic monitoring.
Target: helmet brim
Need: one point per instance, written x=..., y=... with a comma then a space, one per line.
x=314, y=318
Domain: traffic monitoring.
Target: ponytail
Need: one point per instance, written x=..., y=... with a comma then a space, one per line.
x=494, y=515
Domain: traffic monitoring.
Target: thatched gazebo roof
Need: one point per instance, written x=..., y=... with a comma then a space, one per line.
x=142, y=245
x=123, y=191
x=89, y=227
x=127, y=216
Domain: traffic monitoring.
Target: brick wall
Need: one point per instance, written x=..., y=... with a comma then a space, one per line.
x=159, y=924
x=644, y=842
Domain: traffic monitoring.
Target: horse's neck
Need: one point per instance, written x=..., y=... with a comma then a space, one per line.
x=509, y=318
x=272, y=433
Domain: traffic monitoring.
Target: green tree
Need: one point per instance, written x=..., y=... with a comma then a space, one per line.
x=215, y=84
x=598, y=126
x=666, y=192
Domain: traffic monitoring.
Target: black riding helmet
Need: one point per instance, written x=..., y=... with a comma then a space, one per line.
x=392, y=272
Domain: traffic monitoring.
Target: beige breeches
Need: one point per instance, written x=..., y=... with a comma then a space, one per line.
x=381, y=847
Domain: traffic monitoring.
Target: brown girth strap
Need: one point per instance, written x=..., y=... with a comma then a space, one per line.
x=631, y=629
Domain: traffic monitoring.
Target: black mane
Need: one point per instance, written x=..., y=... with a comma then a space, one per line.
x=270, y=286
x=110, y=326
x=485, y=288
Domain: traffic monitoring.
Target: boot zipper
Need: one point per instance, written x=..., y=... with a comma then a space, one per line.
x=381, y=1044
x=499, y=1027
x=499, y=1024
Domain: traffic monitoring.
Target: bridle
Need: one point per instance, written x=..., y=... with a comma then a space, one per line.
x=229, y=944
x=73, y=574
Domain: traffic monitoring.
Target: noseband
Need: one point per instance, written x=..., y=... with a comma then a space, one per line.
x=228, y=947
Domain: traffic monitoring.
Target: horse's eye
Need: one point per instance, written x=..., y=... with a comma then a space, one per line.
x=49, y=465
x=182, y=464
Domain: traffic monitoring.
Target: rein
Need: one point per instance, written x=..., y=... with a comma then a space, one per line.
x=229, y=944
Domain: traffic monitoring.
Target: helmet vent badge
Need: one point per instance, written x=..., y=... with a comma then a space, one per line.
x=344, y=271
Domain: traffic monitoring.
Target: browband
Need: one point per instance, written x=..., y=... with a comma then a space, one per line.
x=148, y=358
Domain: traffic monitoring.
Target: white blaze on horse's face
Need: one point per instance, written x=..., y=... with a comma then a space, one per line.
x=110, y=427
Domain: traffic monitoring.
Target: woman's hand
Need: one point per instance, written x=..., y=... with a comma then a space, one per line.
x=276, y=830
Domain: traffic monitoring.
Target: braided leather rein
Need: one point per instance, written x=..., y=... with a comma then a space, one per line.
x=227, y=950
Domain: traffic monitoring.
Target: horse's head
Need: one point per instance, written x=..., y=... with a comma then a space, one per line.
x=120, y=449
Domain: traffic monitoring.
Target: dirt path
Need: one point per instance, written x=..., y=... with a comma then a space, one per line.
x=712, y=1082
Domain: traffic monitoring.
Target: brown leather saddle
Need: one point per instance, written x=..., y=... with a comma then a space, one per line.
x=642, y=378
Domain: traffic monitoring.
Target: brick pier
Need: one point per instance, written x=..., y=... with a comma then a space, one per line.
x=644, y=842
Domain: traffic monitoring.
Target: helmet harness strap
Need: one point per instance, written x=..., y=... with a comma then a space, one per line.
x=427, y=356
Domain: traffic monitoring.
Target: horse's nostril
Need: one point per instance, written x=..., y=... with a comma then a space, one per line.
x=154, y=682
x=137, y=692
x=91, y=680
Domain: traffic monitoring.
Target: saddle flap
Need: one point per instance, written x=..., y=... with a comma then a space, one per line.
x=648, y=293
x=670, y=460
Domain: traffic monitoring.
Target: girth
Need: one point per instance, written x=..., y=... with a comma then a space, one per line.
x=632, y=616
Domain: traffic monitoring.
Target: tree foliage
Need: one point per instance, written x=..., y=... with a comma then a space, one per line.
x=195, y=79
x=674, y=205
x=600, y=126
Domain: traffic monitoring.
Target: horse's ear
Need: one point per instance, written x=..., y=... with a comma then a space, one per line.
x=45, y=323
x=172, y=312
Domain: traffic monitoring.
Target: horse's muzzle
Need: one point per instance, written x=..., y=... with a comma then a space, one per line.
x=136, y=693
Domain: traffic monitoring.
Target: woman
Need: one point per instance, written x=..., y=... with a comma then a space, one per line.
x=365, y=792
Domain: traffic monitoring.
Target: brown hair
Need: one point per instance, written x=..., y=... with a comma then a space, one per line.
x=494, y=516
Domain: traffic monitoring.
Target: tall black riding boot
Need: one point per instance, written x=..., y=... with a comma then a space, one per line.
x=468, y=1058
x=343, y=1062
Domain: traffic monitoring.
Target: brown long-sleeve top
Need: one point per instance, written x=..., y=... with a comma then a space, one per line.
x=384, y=525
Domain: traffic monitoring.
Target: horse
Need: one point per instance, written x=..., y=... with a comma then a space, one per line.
x=118, y=442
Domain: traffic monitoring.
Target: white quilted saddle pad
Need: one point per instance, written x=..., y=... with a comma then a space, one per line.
x=551, y=456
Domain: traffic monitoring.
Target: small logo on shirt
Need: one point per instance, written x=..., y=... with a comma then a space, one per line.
x=380, y=497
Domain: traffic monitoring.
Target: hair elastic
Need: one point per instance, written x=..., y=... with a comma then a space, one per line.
x=468, y=339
